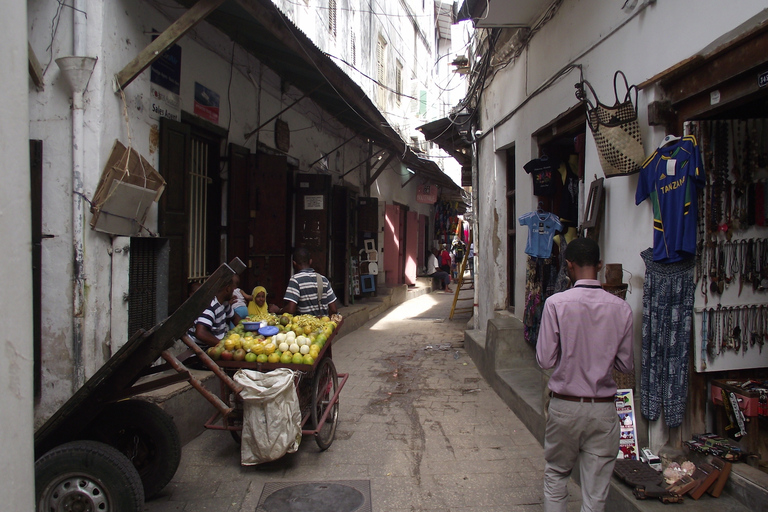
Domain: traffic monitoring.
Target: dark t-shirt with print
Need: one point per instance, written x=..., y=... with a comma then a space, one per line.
x=544, y=172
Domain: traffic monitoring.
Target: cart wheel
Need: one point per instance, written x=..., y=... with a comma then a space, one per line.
x=145, y=434
x=324, y=386
x=87, y=475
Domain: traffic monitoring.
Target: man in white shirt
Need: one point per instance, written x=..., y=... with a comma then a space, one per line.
x=433, y=270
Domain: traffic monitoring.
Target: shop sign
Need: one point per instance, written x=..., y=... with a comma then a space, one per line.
x=466, y=176
x=165, y=85
x=762, y=79
x=426, y=194
x=206, y=103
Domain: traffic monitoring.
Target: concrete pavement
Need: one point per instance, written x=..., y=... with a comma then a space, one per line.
x=418, y=426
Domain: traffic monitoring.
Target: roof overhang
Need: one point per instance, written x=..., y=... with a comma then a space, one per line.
x=264, y=31
x=453, y=136
x=502, y=13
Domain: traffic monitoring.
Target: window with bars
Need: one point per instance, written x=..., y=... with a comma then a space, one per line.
x=381, y=65
x=398, y=82
x=198, y=210
x=332, y=17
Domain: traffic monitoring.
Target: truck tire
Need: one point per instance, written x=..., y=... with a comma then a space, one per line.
x=144, y=433
x=87, y=475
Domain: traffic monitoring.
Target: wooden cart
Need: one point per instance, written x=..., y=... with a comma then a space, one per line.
x=317, y=386
x=101, y=451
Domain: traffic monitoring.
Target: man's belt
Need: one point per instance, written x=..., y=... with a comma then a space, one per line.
x=582, y=398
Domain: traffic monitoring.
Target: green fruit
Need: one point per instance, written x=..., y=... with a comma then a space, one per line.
x=308, y=359
x=298, y=359
x=250, y=357
x=262, y=358
x=286, y=358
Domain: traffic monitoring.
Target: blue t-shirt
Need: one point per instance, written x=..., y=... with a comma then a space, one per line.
x=542, y=228
x=671, y=177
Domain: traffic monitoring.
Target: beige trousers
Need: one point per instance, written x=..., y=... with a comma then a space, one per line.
x=585, y=433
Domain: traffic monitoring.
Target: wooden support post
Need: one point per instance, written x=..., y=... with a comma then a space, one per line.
x=155, y=49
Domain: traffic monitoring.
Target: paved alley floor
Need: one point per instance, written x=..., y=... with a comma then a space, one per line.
x=418, y=426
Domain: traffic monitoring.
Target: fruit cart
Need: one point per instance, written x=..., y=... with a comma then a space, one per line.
x=101, y=451
x=317, y=385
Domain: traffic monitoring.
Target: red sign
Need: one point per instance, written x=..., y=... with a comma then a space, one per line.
x=426, y=194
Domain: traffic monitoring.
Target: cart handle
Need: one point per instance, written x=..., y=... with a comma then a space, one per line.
x=210, y=363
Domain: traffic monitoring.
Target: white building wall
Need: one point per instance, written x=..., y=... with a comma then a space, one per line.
x=598, y=37
x=17, y=483
x=116, y=32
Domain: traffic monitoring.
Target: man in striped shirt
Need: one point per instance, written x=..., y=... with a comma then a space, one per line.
x=213, y=323
x=301, y=296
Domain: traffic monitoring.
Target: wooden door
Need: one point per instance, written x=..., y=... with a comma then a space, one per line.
x=239, y=210
x=392, y=245
x=172, y=211
x=422, y=247
x=343, y=229
x=411, y=247
x=311, y=224
x=269, y=257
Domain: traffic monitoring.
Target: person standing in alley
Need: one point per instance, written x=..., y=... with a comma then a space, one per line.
x=308, y=292
x=585, y=333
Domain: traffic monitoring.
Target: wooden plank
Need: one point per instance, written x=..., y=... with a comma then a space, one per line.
x=380, y=169
x=156, y=48
x=35, y=69
x=127, y=365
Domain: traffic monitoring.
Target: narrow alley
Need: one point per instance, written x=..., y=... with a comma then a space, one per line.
x=419, y=429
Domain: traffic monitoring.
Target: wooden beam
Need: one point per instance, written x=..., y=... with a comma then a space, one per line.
x=35, y=69
x=380, y=169
x=155, y=49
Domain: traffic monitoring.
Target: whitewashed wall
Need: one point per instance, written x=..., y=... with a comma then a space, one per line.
x=116, y=32
x=594, y=34
x=17, y=484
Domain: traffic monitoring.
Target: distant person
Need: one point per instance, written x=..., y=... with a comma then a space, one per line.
x=213, y=323
x=434, y=271
x=585, y=333
x=302, y=293
x=445, y=260
x=258, y=307
x=471, y=263
x=239, y=298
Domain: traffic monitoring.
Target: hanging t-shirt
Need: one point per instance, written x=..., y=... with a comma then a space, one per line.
x=670, y=177
x=544, y=172
x=542, y=228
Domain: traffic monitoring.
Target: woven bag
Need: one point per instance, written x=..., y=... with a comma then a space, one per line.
x=616, y=131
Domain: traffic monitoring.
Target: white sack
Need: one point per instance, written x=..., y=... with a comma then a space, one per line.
x=271, y=415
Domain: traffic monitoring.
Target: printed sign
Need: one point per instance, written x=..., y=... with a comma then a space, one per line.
x=206, y=103
x=313, y=202
x=166, y=70
x=426, y=194
x=762, y=79
x=625, y=407
x=164, y=103
x=165, y=84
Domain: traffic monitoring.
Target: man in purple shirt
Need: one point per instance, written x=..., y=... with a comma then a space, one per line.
x=585, y=333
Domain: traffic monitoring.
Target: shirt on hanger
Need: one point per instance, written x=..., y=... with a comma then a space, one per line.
x=670, y=177
x=542, y=227
x=544, y=172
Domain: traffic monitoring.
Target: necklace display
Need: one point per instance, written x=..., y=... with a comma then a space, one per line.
x=732, y=237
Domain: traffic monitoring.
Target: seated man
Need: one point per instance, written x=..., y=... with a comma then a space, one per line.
x=434, y=271
x=301, y=296
x=213, y=323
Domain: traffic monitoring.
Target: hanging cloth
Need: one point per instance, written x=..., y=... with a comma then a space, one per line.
x=668, y=295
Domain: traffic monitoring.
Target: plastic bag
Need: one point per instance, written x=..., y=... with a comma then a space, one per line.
x=271, y=415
